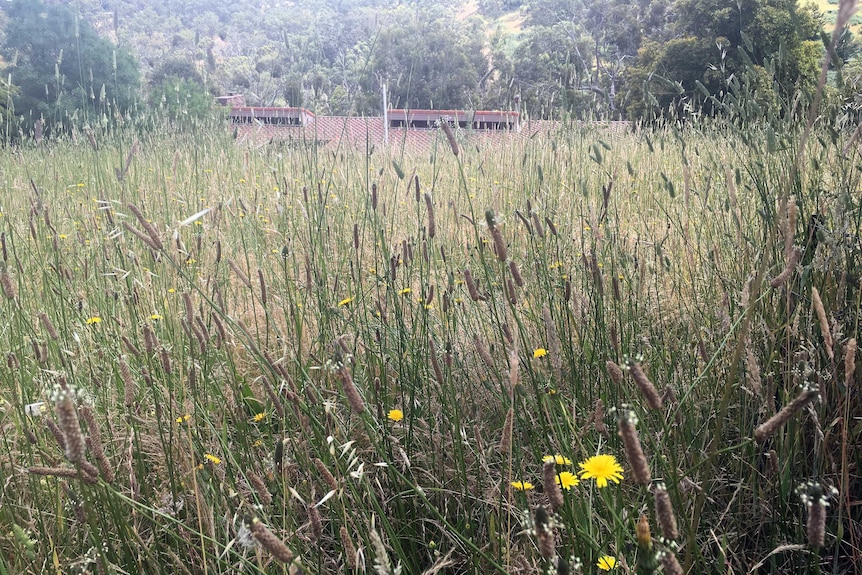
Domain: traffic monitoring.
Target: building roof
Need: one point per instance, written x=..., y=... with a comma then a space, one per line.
x=411, y=129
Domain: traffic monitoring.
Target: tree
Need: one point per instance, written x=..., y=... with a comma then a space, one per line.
x=771, y=47
x=427, y=61
x=65, y=72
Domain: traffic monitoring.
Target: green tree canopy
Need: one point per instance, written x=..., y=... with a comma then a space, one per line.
x=715, y=46
x=65, y=72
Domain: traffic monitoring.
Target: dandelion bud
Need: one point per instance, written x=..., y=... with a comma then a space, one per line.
x=642, y=533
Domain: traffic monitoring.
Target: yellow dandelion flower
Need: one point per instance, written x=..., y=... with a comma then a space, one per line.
x=345, y=301
x=94, y=319
x=567, y=480
x=558, y=459
x=602, y=468
x=172, y=290
x=183, y=418
x=405, y=291
x=522, y=485
x=155, y=317
x=212, y=458
x=607, y=562
x=395, y=415
x=259, y=416
x=540, y=352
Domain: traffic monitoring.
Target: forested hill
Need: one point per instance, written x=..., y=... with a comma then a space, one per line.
x=599, y=58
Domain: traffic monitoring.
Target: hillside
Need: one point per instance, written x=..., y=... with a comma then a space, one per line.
x=609, y=58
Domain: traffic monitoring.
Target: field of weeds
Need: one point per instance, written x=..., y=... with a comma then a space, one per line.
x=581, y=352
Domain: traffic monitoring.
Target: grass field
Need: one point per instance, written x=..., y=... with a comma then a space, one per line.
x=281, y=359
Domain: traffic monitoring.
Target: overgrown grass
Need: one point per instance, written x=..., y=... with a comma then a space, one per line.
x=247, y=378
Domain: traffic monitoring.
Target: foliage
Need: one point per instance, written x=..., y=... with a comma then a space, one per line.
x=426, y=62
x=718, y=41
x=283, y=339
x=65, y=72
x=181, y=99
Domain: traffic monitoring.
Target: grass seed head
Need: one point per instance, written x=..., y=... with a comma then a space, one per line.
x=648, y=390
x=550, y=485
x=269, y=541
x=7, y=285
x=664, y=512
x=765, y=430
x=627, y=422
x=67, y=421
x=849, y=361
x=349, y=548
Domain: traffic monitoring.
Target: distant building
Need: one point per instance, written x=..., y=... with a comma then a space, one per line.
x=271, y=116
x=413, y=128
x=476, y=120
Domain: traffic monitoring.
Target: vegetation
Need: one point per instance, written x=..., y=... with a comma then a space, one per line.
x=611, y=59
x=224, y=359
x=65, y=74
x=598, y=348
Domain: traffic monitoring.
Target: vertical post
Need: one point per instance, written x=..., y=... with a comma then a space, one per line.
x=385, y=115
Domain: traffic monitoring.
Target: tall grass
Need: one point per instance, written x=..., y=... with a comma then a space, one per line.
x=287, y=368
